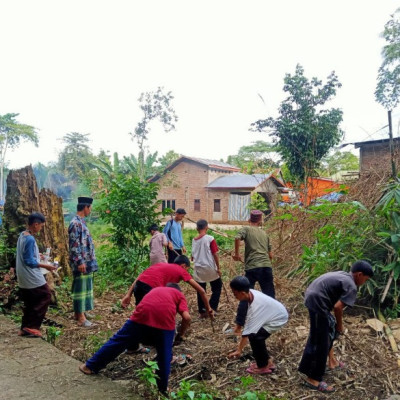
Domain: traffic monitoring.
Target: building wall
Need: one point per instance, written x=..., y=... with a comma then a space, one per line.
x=186, y=183
x=377, y=156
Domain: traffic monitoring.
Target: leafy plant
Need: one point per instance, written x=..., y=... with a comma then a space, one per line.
x=148, y=374
x=189, y=390
x=52, y=333
x=93, y=343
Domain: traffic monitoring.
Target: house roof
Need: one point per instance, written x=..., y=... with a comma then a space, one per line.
x=242, y=181
x=215, y=164
x=360, y=144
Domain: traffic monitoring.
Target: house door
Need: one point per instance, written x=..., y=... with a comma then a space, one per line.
x=238, y=210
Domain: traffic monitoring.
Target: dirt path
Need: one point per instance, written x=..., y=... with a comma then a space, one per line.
x=34, y=369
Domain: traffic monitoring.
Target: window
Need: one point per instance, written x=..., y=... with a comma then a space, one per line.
x=217, y=205
x=168, y=204
x=196, y=204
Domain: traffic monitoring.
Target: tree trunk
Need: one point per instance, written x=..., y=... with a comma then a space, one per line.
x=23, y=198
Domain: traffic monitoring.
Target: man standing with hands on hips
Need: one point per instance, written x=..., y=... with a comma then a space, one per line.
x=83, y=262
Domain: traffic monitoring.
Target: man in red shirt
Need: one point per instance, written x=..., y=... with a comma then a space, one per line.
x=152, y=323
x=159, y=275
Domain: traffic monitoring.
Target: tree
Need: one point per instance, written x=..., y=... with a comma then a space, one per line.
x=167, y=159
x=387, y=91
x=76, y=158
x=130, y=206
x=255, y=158
x=339, y=161
x=304, y=132
x=11, y=135
x=155, y=106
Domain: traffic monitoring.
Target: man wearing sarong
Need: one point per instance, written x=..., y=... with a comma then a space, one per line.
x=83, y=262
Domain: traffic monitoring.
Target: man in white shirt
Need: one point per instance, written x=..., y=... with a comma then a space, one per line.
x=265, y=315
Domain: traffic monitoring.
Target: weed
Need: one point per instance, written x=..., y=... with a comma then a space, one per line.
x=52, y=333
x=93, y=343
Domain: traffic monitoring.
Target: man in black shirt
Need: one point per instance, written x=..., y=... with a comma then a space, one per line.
x=331, y=291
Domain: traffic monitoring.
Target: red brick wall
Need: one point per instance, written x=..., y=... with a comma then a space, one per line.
x=187, y=182
x=377, y=156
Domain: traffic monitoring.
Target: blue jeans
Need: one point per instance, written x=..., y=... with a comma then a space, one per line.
x=131, y=334
x=264, y=277
x=216, y=287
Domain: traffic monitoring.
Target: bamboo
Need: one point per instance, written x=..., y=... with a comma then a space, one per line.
x=388, y=332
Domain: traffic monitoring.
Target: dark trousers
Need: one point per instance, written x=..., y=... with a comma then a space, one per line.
x=172, y=254
x=133, y=333
x=140, y=290
x=319, y=343
x=216, y=287
x=265, y=278
x=257, y=343
x=36, y=302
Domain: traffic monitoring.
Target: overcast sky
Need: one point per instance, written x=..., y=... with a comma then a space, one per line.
x=80, y=66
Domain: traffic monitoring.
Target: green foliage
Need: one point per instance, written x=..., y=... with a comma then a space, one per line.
x=130, y=207
x=190, y=390
x=52, y=333
x=148, y=374
x=257, y=202
x=305, y=132
x=387, y=91
x=12, y=133
x=255, y=158
x=155, y=106
x=245, y=394
x=339, y=161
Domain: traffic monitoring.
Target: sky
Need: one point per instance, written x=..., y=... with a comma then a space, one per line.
x=80, y=66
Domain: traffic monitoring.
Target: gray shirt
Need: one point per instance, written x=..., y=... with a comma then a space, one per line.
x=28, y=272
x=328, y=289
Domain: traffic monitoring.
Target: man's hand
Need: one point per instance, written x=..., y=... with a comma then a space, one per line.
x=211, y=313
x=82, y=268
x=184, y=250
x=237, y=258
x=235, y=354
x=126, y=301
x=170, y=246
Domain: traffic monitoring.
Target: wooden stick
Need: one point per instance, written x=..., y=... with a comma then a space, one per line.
x=359, y=348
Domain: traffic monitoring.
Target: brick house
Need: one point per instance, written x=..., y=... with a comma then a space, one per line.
x=212, y=189
x=375, y=154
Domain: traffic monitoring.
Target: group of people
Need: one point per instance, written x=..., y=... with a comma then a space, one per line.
x=158, y=296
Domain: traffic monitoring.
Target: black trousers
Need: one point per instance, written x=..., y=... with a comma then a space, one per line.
x=319, y=343
x=140, y=290
x=36, y=302
x=172, y=255
x=265, y=278
x=259, y=347
x=216, y=287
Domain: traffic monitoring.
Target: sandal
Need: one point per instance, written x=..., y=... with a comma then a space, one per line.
x=86, y=324
x=338, y=367
x=140, y=350
x=321, y=387
x=272, y=367
x=30, y=332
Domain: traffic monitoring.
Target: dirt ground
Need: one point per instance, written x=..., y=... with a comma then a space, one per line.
x=371, y=370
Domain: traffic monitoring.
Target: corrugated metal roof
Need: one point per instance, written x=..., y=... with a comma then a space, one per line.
x=239, y=181
x=213, y=163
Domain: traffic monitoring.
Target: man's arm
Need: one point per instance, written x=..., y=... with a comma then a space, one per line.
x=237, y=353
x=216, y=259
x=126, y=300
x=202, y=294
x=338, y=311
x=184, y=324
x=236, y=257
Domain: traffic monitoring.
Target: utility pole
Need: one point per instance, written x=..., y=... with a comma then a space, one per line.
x=391, y=147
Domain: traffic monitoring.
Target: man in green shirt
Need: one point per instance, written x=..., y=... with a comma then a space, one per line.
x=257, y=260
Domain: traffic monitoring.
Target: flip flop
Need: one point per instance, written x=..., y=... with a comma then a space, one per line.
x=321, y=387
x=338, y=367
x=272, y=367
x=86, y=324
x=85, y=370
x=140, y=350
x=30, y=332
